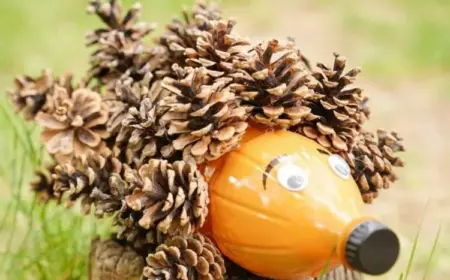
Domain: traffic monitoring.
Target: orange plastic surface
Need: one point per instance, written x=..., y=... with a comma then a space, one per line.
x=268, y=229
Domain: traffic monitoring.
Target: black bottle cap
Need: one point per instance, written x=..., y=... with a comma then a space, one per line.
x=372, y=248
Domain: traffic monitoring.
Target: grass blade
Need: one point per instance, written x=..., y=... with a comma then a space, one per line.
x=433, y=251
x=416, y=241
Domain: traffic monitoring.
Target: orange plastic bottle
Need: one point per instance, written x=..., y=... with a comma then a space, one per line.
x=282, y=207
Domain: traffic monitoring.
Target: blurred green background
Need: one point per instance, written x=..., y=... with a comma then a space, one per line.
x=403, y=47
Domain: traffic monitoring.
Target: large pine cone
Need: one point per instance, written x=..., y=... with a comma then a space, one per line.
x=111, y=260
x=274, y=88
x=202, y=115
x=170, y=197
x=119, y=46
x=88, y=178
x=337, y=111
x=75, y=125
x=191, y=258
x=373, y=160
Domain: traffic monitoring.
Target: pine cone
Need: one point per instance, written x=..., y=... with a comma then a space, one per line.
x=337, y=111
x=76, y=125
x=93, y=180
x=139, y=135
x=203, y=39
x=192, y=258
x=119, y=46
x=32, y=95
x=372, y=160
x=42, y=186
x=203, y=116
x=111, y=260
x=273, y=89
x=172, y=198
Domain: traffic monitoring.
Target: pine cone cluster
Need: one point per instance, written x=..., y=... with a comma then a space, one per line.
x=373, y=159
x=119, y=45
x=273, y=83
x=190, y=258
x=203, y=115
x=336, y=111
x=111, y=260
x=131, y=145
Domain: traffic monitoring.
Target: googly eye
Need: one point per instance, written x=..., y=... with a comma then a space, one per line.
x=292, y=177
x=339, y=166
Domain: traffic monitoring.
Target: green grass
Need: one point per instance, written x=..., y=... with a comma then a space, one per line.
x=398, y=37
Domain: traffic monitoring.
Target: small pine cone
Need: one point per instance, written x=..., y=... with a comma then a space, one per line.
x=171, y=197
x=111, y=260
x=337, y=111
x=76, y=124
x=202, y=115
x=42, y=186
x=203, y=38
x=372, y=161
x=140, y=136
x=118, y=46
x=191, y=258
x=92, y=179
x=33, y=95
x=273, y=89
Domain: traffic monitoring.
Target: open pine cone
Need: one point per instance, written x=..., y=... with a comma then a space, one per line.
x=111, y=260
x=42, y=186
x=75, y=124
x=171, y=197
x=180, y=39
x=373, y=160
x=140, y=137
x=87, y=178
x=33, y=95
x=119, y=46
x=336, y=110
x=272, y=83
x=191, y=258
x=203, y=115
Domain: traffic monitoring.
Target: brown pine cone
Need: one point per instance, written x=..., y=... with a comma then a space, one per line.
x=139, y=135
x=119, y=45
x=93, y=180
x=33, y=95
x=191, y=258
x=373, y=159
x=171, y=197
x=42, y=186
x=111, y=260
x=337, y=111
x=180, y=40
x=75, y=125
x=273, y=89
x=202, y=115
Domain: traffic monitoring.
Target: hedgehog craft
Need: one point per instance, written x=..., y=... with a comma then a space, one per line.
x=216, y=158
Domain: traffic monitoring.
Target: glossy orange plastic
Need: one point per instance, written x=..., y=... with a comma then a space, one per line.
x=272, y=221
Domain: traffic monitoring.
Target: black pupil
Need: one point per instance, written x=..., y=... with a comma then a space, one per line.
x=295, y=182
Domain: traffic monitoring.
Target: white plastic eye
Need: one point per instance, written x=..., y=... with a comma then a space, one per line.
x=339, y=166
x=292, y=177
